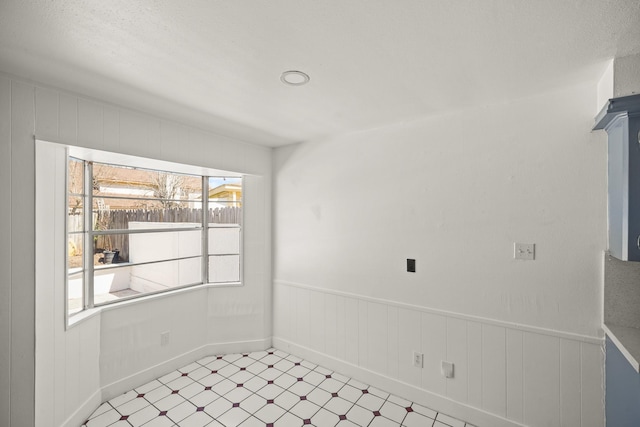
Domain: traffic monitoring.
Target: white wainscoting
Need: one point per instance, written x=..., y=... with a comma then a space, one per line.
x=505, y=374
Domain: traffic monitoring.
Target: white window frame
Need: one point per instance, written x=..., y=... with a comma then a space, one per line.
x=115, y=159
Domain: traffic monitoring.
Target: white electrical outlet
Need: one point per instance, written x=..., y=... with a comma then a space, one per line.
x=417, y=359
x=447, y=369
x=524, y=251
x=164, y=338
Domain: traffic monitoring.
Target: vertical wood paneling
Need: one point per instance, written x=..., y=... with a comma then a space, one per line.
x=134, y=134
x=526, y=377
x=302, y=316
x=260, y=187
x=457, y=353
x=363, y=334
x=47, y=114
x=59, y=372
x=73, y=361
x=72, y=377
x=474, y=348
x=494, y=398
x=541, y=373
x=247, y=160
x=172, y=138
x=90, y=124
x=316, y=322
x=290, y=313
x=392, y=342
x=89, y=357
x=200, y=142
x=592, y=378
x=45, y=311
x=232, y=151
x=5, y=251
x=155, y=141
x=515, y=384
x=22, y=238
x=341, y=329
x=68, y=119
x=409, y=340
x=280, y=312
x=434, y=347
x=330, y=321
x=351, y=327
x=111, y=128
x=570, y=383
x=378, y=337
x=60, y=377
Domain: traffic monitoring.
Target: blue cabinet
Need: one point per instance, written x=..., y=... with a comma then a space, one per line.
x=623, y=390
x=620, y=118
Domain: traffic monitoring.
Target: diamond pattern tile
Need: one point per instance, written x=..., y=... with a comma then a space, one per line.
x=261, y=389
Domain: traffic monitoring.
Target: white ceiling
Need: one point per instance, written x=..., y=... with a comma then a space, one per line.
x=217, y=64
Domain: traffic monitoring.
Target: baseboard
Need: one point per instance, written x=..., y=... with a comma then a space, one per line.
x=81, y=414
x=123, y=385
x=423, y=397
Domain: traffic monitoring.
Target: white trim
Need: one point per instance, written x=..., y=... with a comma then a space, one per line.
x=123, y=385
x=81, y=414
x=120, y=386
x=511, y=325
x=83, y=315
x=89, y=154
x=120, y=159
x=423, y=397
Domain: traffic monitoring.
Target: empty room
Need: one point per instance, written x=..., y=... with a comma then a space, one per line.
x=327, y=213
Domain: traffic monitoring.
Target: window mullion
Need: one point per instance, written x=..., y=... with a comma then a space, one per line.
x=205, y=229
x=88, y=235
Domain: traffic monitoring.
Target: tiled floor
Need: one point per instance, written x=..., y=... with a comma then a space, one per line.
x=267, y=389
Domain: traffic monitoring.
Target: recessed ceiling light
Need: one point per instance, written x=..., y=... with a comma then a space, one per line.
x=294, y=78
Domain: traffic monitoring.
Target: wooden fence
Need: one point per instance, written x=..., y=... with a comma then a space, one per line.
x=119, y=220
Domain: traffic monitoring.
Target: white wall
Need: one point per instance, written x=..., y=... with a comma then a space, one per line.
x=67, y=362
x=620, y=78
x=454, y=192
x=28, y=110
x=5, y=258
x=605, y=87
x=17, y=290
x=626, y=78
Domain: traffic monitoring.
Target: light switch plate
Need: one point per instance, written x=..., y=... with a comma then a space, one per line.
x=446, y=369
x=418, y=359
x=524, y=251
x=164, y=338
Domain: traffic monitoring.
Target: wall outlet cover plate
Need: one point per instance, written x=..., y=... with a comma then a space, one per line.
x=447, y=369
x=418, y=359
x=524, y=251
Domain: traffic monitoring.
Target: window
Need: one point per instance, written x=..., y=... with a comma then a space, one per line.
x=134, y=231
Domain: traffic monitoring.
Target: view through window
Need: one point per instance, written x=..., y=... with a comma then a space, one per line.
x=134, y=232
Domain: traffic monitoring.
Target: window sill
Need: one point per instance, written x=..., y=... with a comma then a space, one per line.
x=81, y=316
x=91, y=312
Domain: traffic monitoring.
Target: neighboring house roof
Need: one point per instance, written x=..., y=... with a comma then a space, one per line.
x=127, y=188
x=226, y=192
x=118, y=188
